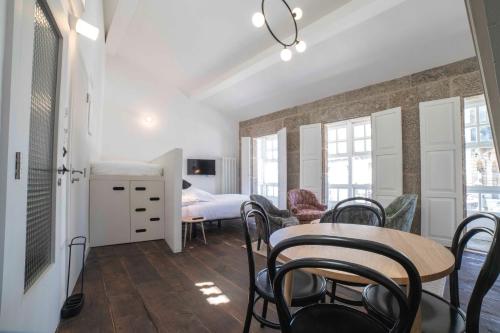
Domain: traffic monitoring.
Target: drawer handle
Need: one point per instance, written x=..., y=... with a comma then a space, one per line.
x=140, y=209
x=140, y=188
x=154, y=199
x=140, y=230
x=118, y=188
x=154, y=219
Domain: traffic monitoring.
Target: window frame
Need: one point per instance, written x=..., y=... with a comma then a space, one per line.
x=350, y=154
x=262, y=154
x=476, y=102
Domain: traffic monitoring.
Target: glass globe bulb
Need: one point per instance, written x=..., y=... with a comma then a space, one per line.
x=301, y=46
x=286, y=55
x=258, y=20
x=297, y=13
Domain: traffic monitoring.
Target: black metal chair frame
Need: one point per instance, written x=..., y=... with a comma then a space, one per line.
x=340, y=207
x=487, y=275
x=408, y=303
x=254, y=209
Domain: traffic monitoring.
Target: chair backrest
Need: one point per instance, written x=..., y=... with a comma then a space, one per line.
x=327, y=217
x=369, y=212
x=400, y=212
x=488, y=273
x=263, y=201
x=301, y=196
x=253, y=210
x=408, y=304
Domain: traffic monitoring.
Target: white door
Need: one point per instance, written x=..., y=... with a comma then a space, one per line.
x=282, y=169
x=79, y=157
x=31, y=237
x=441, y=168
x=246, y=165
x=387, y=155
x=311, y=153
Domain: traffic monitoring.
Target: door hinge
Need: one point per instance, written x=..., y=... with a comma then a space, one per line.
x=18, y=166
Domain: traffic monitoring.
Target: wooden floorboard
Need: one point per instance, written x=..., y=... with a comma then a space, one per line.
x=144, y=287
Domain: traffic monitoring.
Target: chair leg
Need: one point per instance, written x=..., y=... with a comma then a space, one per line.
x=248, y=317
x=185, y=233
x=258, y=244
x=264, y=312
x=334, y=289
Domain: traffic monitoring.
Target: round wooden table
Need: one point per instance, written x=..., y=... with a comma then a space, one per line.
x=432, y=260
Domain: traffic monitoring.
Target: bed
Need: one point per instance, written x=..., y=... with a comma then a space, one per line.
x=213, y=207
x=125, y=168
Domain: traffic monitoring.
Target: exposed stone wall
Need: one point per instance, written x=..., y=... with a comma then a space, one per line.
x=461, y=78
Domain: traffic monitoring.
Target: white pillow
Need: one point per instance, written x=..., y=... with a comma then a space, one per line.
x=193, y=195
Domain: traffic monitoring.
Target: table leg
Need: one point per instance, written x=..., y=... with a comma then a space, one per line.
x=288, y=288
x=203, y=232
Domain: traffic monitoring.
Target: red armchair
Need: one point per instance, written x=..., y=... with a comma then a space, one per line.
x=305, y=206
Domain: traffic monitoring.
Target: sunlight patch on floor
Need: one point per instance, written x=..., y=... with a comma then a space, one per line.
x=208, y=288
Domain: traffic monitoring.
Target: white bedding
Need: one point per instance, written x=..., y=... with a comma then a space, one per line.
x=224, y=206
x=125, y=168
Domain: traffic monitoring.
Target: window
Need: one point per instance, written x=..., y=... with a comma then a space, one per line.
x=40, y=196
x=267, y=167
x=349, y=159
x=482, y=173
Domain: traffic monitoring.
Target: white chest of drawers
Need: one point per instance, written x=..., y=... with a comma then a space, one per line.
x=126, y=209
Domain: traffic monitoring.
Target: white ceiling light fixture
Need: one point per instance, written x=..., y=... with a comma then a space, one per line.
x=297, y=13
x=286, y=55
x=83, y=27
x=259, y=19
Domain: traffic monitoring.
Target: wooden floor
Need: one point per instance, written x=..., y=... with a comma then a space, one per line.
x=143, y=287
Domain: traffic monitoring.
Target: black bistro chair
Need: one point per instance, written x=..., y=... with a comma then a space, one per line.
x=339, y=318
x=307, y=288
x=356, y=210
x=439, y=315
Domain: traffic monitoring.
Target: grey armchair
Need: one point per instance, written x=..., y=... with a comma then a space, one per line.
x=400, y=212
x=278, y=218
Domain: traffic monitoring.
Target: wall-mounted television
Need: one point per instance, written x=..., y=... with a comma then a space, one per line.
x=201, y=167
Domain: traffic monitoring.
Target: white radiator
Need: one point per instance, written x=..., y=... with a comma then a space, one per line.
x=229, y=175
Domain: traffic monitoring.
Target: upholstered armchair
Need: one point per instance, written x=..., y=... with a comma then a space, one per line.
x=305, y=206
x=400, y=212
x=278, y=218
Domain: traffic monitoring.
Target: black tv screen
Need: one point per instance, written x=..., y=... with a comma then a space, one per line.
x=201, y=167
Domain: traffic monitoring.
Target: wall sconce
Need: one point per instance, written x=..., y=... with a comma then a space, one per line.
x=83, y=28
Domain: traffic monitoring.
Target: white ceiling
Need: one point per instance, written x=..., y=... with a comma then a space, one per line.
x=211, y=51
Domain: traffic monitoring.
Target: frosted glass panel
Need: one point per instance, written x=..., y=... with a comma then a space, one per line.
x=39, y=234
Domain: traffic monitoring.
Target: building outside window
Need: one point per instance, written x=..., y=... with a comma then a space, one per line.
x=267, y=167
x=349, y=166
x=482, y=173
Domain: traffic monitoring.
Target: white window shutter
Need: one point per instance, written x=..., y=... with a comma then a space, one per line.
x=441, y=167
x=246, y=163
x=282, y=169
x=311, y=153
x=387, y=155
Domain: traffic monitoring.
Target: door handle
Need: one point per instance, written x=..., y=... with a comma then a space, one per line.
x=76, y=171
x=62, y=170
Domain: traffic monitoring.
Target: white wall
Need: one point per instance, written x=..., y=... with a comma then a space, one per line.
x=132, y=95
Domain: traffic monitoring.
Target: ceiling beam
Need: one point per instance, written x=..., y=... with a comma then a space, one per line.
x=350, y=15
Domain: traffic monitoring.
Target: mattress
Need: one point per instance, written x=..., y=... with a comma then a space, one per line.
x=224, y=206
x=125, y=168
